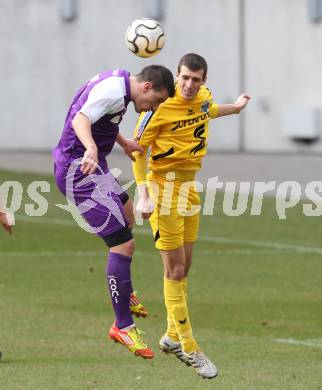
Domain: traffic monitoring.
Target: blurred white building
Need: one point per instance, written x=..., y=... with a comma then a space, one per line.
x=270, y=49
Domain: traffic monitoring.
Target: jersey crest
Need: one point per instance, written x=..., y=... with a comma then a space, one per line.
x=205, y=106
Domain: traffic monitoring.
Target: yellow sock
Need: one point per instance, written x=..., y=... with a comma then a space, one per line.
x=184, y=282
x=178, y=312
x=171, y=331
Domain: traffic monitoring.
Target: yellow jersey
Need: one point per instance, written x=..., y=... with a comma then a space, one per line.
x=177, y=132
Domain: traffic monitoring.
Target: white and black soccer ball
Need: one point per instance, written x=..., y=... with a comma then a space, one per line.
x=145, y=37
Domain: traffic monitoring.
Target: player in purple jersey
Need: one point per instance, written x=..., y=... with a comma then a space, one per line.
x=82, y=174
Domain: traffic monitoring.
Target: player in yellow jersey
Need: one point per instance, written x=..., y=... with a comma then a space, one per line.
x=176, y=134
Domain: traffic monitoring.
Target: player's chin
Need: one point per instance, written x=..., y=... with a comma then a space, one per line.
x=189, y=96
x=142, y=108
x=138, y=109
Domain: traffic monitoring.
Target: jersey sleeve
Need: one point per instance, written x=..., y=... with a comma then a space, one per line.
x=139, y=167
x=213, y=110
x=104, y=98
x=213, y=107
x=147, y=128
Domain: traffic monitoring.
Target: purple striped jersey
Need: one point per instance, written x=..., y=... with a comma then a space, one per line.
x=104, y=100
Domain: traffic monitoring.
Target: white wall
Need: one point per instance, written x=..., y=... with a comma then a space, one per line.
x=202, y=27
x=283, y=63
x=44, y=60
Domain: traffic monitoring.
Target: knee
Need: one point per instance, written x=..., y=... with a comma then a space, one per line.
x=177, y=272
x=126, y=249
x=129, y=247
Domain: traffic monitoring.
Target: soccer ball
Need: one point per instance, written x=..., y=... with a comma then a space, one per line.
x=145, y=37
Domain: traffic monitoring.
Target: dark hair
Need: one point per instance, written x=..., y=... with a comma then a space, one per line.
x=194, y=62
x=159, y=76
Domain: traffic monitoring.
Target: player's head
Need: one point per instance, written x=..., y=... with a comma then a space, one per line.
x=191, y=74
x=152, y=86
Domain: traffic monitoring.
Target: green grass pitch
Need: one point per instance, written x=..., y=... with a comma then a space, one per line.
x=255, y=299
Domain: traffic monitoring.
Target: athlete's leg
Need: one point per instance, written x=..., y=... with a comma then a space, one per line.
x=118, y=273
x=180, y=234
x=188, y=250
x=177, y=263
x=191, y=226
x=108, y=220
x=168, y=231
x=174, y=263
x=119, y=284
x=184, y=346
x=179, y=327
x=136, y=306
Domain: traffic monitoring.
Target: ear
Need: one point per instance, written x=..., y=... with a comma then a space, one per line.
x=147, y=85
x=204, y=80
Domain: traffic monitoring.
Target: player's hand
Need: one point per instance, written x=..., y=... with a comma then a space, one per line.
x=130, y=146
x=5, y=223
x=241, y=102
x=145, y=207
x=90, y=160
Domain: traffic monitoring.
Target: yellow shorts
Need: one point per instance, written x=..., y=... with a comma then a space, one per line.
x=175, y=219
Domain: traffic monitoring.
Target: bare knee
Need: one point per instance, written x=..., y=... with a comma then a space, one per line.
x=174, y=263
x=126, y=249
x=130, y=246
x=175, y=272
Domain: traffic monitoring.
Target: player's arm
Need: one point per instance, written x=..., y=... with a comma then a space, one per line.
x=82, y=126
x=129, y=146
x=216, y=111
x=146, y=131
x=104, y=98
x=145, y=205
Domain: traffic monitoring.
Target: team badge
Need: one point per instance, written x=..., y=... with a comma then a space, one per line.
x=205, y=106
